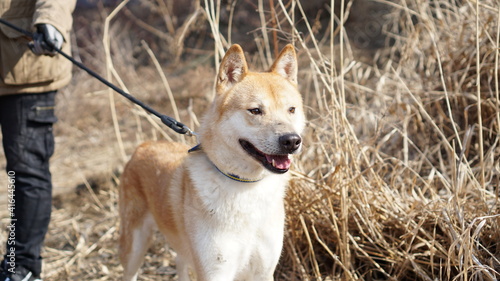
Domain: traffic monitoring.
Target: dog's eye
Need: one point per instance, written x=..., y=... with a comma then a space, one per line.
x=291, y=110
x=255, y=111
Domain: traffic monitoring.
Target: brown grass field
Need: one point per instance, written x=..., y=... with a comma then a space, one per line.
x=399, y=177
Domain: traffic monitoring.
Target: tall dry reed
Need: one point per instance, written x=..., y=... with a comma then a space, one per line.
x=399, y=175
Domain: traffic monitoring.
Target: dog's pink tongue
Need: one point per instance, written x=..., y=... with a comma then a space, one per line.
x=281, y=162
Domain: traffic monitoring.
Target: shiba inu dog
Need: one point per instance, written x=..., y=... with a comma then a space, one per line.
x=220, y=206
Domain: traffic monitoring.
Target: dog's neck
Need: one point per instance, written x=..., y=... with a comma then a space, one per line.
x=236, y=177
x=228, y=175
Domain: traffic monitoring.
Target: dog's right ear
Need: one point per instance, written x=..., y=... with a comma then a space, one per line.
x=233, y=68
x=286, y=64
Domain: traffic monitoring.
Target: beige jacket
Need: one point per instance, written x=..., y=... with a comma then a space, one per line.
x=21, y=71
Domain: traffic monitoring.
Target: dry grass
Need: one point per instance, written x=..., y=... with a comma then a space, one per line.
x=400, y=173
x=404, y=181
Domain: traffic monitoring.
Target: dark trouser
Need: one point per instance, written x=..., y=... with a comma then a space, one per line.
x=26, y=121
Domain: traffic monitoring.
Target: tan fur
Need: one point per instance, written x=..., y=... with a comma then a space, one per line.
x=221, y=229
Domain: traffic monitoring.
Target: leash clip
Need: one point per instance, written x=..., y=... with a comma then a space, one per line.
x=177, y=126
x=197, y=147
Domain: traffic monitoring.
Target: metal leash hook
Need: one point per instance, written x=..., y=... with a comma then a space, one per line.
x=173, y=124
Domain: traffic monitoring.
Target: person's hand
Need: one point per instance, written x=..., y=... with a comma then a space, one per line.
x=46, y=39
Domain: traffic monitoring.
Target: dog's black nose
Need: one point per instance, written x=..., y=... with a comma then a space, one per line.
x=290, y=142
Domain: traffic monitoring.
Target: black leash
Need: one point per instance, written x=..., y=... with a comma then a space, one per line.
x=173, y=124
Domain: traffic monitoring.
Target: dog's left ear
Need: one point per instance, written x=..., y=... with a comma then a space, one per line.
x=286, y=64
x=233, y=68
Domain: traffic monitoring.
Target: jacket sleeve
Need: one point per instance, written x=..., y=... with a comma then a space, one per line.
x=21, y=71
x=57, y=13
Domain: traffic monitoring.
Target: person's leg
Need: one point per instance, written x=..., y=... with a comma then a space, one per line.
x=28, y=143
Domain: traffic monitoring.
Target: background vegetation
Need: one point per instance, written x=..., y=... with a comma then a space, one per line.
x=400, y=172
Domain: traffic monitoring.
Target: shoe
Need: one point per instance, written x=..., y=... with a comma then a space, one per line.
x=21, y=274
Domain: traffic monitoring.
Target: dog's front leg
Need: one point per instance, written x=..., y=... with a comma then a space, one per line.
x=218, y=260
x=182, y=268
x=217, y=254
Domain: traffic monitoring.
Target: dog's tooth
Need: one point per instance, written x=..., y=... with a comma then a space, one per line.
x=274, y=163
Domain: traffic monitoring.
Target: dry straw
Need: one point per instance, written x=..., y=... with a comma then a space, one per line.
x=400, y=181
x=400, y=171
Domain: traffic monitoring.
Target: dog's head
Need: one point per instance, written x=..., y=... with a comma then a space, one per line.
x=256, y=119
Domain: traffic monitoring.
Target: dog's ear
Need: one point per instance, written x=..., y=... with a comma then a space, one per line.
x=233, y=68
x=286, y=64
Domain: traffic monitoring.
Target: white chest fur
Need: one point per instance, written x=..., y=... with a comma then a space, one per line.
x=239, y=226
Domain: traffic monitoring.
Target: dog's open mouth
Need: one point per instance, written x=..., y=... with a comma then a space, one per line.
x=275, y=163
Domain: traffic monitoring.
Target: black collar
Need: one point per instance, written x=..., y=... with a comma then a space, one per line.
x=228, y=175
